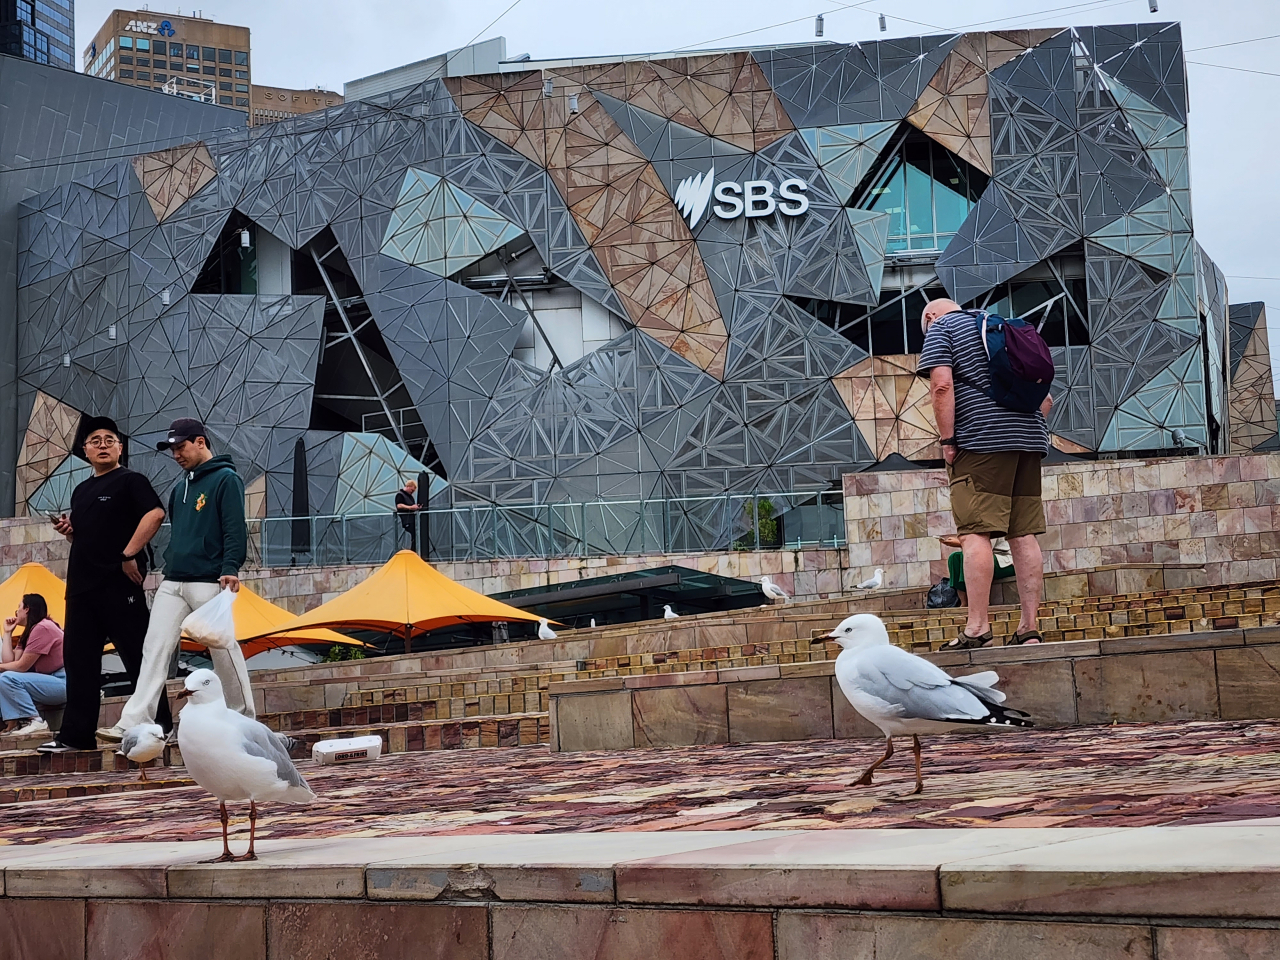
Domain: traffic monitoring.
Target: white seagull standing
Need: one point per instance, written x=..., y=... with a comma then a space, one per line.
x=876, y=581
x=772, y=590
x=142, y=744
x=233, y=757
x=903, y=694
x=668, y=613
x=544, y=629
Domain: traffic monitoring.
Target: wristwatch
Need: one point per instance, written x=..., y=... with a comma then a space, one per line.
x=949, y=442
x=125, y=558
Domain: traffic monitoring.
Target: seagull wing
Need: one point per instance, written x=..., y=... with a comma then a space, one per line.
x=259, y=741
x=920, y=689
x=129, y=742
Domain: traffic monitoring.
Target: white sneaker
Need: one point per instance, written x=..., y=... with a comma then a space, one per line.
x=110, y=734
x=33, y=728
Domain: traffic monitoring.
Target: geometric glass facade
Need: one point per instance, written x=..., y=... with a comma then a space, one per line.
x=678, y=277
x=39, y=30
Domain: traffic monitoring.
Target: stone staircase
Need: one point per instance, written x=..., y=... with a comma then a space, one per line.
x=498, y=695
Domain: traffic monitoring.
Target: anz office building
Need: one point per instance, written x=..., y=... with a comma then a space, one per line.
x=639, y=284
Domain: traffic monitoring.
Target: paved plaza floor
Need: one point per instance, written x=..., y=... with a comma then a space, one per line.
x=1125, y=775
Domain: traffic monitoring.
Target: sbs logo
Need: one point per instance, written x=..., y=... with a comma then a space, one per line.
x=752, y=198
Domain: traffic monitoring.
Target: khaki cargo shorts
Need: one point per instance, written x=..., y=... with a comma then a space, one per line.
x=997, y=493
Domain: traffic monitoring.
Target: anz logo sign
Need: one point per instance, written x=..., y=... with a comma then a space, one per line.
x=752, y=198
x=164, y=28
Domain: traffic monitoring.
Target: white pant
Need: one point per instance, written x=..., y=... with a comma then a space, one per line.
x=173, y=602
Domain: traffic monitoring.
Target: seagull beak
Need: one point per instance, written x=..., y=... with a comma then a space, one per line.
x=184, y=694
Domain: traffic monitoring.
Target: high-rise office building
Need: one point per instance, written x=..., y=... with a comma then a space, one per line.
x=191, y=56
x=39, y=30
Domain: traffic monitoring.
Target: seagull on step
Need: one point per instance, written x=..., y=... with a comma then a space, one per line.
x=772, y=590
x=875, y=583
x=142, y=744
x=903, y=694
x=233, y=757
x=668, y=613
x=544, y=629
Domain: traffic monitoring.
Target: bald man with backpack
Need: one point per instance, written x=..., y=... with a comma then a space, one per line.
x=989, y=380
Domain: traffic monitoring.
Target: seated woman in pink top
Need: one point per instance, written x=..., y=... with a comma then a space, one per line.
x=31, y=669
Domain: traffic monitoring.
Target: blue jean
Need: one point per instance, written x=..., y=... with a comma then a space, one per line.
x=20, y=692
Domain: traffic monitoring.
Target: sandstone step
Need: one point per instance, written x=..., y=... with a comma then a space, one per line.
x=513, y=730
x=26, y=763
x=408, y=706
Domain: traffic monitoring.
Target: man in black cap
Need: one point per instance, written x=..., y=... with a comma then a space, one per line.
x=207, y=546
x=114, y=515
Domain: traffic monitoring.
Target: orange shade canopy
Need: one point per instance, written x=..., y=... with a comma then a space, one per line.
x=406, y=596
x=35, y=578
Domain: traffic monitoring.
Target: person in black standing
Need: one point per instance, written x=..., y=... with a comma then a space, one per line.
x=407, y=508
x=114, y=515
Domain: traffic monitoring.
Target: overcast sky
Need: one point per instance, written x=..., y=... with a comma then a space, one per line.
x=1235, y=188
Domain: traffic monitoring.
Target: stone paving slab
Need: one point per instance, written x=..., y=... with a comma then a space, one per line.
x=1096, y=777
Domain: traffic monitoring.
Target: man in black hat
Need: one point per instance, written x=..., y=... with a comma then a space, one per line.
x=114, y=515
x=207, y=546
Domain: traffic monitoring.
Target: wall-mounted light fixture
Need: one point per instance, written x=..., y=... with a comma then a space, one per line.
x=164, y=294
x=884, y=25
x=66, y=359
x=244, y=239
x=548, y=88
x=1154, y=5
x=573, y=103
x=111, y=331
x=817, y=25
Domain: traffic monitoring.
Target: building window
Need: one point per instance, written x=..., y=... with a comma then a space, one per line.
x=223, y=85
x=224, y=56
x=144, y=62
x=128, y=60
x=242, y=101
x=126, y=74
x=126, y=43
x=927, y=192
x=242, y=88
x=242, y=74
x=193, y=68
x=193, y=52
x=242, y=58
x=142, y=44
x=226, y=100
x=159, y=77
x=224, y=71
x=175, y=49
x=144, y=75
x=211, y=71
x=208, y=53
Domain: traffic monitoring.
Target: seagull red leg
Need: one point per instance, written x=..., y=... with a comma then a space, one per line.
x=142, y=771
x=253, y=826
x=865, y=779
x=226, y=847
x=915, y=748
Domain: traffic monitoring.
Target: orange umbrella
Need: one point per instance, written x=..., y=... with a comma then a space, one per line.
x=258, y=622
x=35, y=578
x=409, y=597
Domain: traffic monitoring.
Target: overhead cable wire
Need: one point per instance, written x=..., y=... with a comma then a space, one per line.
x=1233, y=43
x=1223, y=66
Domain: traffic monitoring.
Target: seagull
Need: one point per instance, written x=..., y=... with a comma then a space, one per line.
x=904, y=694
x=593, y=623
x=772, y=590
x=544, y=629
x=142, y=744
x=875, y=583
x=233, y=757
x=668, y=613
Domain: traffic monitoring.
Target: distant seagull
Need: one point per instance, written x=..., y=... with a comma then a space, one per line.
x=904, y=694
x=233, y=757
x=593, y=623
x=668, y=613
x=544, y=630
x=772, y=590
x=875, y=583
x=142, y=744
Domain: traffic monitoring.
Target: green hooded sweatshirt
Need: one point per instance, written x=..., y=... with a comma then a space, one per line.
x=207, y=529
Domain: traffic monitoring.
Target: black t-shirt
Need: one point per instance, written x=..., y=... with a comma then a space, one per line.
x=105, y=512
x=405, y=498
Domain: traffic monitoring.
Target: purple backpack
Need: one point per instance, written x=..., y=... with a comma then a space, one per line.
x=1018, y=361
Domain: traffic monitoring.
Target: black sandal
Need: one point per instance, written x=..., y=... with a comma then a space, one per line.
x=1018, y=639
x=966, y=642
